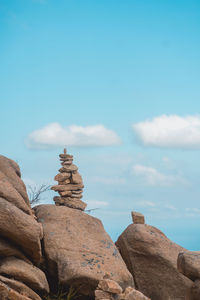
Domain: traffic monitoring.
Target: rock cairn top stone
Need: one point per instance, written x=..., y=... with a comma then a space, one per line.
x=70, y=184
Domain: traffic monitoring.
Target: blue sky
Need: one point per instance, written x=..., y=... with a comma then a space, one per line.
x=89, y=75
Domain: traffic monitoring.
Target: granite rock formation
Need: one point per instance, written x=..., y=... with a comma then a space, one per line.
x=71, y=248
x=188, y=264
x=20, y=239
x=70, y=184
x=152, y=260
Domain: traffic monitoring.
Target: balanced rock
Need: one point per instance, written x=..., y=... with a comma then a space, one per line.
x=78, y=250
x=137, y=217
x=70, y=184
x=152, y=259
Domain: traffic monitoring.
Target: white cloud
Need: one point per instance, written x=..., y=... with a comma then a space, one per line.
x=193, y=210
x=108, y=180
x=153, y=177
x=170, y=131
x=54, y=135
x=145, y=203
x=97, y=204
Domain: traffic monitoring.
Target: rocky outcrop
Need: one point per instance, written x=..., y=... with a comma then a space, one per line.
x=188, y=264
x=78, y=250
x=70, y=184
x=21, y=229
x=152, y=259
x=78, y=253
x=20, y=239
x=12, y=172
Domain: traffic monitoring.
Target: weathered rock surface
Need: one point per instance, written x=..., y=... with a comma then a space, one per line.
x=195, y=290
x=8, y=192
x=70, y=184
x=8, y=249
x=70, y=202
x=78, y=250
x=189, y=264
x=152, y=259
x=12, y=172
x=111, y=286
x=20, y=236
x=110, y=290
x=6, y=293
x=68, y=187
x=137, y=217
x=22, y=271
x=18, y=288
x=21, y=229
x=132, y=294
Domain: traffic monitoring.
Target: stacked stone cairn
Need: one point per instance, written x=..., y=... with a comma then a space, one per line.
x=70, y=184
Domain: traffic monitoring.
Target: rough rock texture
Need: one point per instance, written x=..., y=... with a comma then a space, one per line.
x=137, y=217
x=195, y=290
x=20, y=288
x=10, y=168
x=70, y=184
x=152, y=259
x=8, y=192
x=189, y=264
x=21, y=229
x=20, y=239
x=110, y=289
x=24, y=272
x=6, y=293
x=78, y=250
x=8, y=249
x=132, y=294
x=111, y=286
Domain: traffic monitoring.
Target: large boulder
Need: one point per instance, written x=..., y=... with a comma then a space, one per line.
x=20, y=239
x=78, y=250
x=8, y=192
x=11, y=169
x=189, y=264
x=21, y=229
x=22, y=271
x=152, y=259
